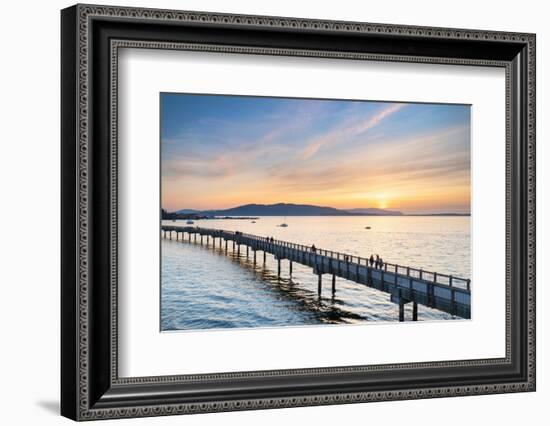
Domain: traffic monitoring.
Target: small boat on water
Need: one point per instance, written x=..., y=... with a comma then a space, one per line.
x=367, y=227
x=253, y=221
x=189, y=222
x=284, y=224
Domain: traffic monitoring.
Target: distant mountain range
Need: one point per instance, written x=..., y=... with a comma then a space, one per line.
x=284, y=209
x=288, y=209
x=187, y=211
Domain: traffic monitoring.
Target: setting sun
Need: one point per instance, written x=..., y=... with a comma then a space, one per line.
x=382, y=204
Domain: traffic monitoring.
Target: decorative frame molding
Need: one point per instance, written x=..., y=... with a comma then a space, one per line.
x=91, y=37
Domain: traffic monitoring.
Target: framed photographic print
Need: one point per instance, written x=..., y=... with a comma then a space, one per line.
x=263, y=212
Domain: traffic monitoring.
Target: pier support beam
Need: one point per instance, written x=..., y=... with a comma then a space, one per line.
x=246, y=251
x=190, y=237
x=415, y=311
x=279, y=268
x=254, y=257
x=333, y=283
x=264, y=257
x=319, y=283
x=225, y=245
x=291, y=267
x=195, y=238
x=201, y=239
x=238, y=249
x=207, y=239
x=401, y=311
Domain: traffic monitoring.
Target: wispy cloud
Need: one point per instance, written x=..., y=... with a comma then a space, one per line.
x=351, y=128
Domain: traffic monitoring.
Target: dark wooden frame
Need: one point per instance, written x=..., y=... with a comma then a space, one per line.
x=91, y=37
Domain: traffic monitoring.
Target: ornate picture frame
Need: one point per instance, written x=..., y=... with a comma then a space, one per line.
x=91, y=37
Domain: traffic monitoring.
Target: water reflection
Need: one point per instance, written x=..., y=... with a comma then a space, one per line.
x=328, y=310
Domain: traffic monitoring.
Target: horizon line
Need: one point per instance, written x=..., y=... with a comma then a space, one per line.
x=346, y=210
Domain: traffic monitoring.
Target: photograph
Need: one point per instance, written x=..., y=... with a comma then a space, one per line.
x=280, y=211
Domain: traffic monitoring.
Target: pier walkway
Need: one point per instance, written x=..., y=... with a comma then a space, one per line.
x=404, y=284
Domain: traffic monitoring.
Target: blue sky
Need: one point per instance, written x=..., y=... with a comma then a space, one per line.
x=223, y=151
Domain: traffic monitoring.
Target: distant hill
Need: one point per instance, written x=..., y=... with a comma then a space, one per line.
x=287, y=209
x=280, y=209
x=375, y=212
x=186, y=211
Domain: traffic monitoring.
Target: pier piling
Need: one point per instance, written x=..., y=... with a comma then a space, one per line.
x=333, y=283
x=319, y=283
x=401, y=310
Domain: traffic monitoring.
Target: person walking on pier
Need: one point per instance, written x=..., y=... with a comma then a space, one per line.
x=313, y=249
x=371, y=260
x=377, y=262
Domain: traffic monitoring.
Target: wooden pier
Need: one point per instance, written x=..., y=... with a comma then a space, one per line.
x=404, y=284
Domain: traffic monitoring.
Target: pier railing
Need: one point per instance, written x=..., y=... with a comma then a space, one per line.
x=409, y=271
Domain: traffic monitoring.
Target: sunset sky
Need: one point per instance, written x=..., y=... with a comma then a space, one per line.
x=224, y=151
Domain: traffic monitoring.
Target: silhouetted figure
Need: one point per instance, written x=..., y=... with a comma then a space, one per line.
x=346, y=258
x=381, y=263
x=313, y=249
x=377, y=262
x=371, y=260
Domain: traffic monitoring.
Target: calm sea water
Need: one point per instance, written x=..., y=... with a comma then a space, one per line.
x=206, y=288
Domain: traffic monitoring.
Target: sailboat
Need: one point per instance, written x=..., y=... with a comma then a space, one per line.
x=284, y=224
